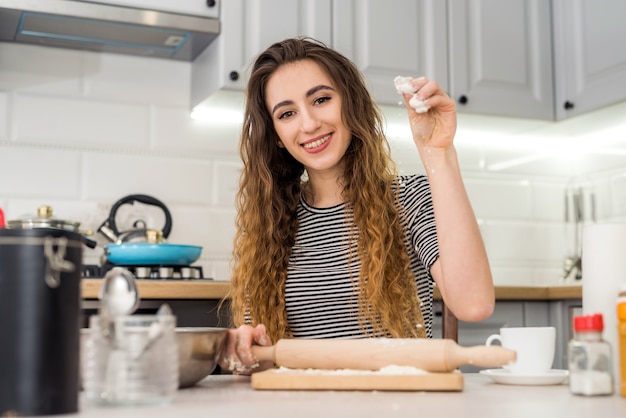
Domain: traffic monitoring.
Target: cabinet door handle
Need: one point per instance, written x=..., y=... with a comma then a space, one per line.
x=463, y=99
x=210, y=3
x=568, y=105
x=234, y=76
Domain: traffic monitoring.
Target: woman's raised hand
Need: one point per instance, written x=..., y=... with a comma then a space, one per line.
x=435, y=127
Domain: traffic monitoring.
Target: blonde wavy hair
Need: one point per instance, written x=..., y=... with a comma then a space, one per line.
x=270, y=187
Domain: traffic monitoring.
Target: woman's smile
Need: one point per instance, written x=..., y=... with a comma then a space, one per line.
x=317, y=145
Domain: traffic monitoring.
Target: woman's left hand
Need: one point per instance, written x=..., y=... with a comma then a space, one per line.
x=437, y=126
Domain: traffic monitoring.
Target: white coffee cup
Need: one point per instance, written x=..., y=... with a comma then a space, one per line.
x=534, y=347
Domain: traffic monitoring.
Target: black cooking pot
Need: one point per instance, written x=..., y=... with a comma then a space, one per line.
x=40, y=272
x=152, y=252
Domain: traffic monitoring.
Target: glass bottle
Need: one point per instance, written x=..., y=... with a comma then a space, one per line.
x=589, y=358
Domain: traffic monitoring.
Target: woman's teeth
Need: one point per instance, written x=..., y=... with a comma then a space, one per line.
x=317, y=143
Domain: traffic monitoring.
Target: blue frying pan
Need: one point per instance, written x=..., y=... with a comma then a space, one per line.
x=148, y=254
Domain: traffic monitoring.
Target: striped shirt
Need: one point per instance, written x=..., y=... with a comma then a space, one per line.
x=320, y=294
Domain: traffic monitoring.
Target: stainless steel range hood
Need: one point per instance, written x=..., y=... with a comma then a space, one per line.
x=90, y=26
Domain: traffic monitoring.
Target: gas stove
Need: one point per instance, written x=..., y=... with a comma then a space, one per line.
x=153, y=272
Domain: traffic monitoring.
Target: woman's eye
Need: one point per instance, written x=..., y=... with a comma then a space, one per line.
x=322, y=99
x=286, y=114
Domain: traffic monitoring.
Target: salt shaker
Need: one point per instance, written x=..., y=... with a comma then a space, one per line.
x=589, y=358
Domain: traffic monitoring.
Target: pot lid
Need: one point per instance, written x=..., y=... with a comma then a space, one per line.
x=43, y=219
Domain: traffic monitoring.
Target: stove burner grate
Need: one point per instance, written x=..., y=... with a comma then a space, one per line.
x=156, y=272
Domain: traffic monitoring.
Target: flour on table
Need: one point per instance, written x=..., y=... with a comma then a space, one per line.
x=403, y=85
x=388, y=370
x=238, y=367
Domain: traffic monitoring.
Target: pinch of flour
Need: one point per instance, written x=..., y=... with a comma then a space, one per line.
x=403, y=85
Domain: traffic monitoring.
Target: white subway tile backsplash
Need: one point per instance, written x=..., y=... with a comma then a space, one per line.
x=524, y=162
x=618, y=195
x=500, y=199
x=80, y=122
x=4, y=116
x=406, y=157
x=108, y=177
x=523, y=241
x=221, y=270
x=508, y=274
x=548, y=201
x=191, y=224
x=39, y=173
x=80, y=130
x=41, y=70
x=226, y=183
x=471, y=159
x=603, y=197
x=175, y=130
x=551, y=274
x=137, y=79
x=220, y=232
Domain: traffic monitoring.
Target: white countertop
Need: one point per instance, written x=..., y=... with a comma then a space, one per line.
x=232, y=396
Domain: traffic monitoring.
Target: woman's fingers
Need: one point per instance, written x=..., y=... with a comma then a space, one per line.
x=260, y=336
x=237, y=355
x=432, y=113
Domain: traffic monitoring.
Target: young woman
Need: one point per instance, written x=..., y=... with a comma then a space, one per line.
x=331, y=242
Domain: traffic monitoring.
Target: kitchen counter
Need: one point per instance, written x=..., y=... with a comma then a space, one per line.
x=166, y=289
x=232, y=396
x=213, y=289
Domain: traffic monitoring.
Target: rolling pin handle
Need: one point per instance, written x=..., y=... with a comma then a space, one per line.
x=481, y=356
x=264, y=353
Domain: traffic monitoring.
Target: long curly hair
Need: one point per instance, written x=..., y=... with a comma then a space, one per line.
x=270, y=187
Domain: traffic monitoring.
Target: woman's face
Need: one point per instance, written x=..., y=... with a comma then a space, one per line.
x=306, y=110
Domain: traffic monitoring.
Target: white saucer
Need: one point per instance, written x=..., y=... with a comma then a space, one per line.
x=505, y=377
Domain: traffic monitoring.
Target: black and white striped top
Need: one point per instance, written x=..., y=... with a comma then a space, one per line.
x=320, y=296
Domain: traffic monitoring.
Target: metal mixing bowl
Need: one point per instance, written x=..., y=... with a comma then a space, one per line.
x=198, y=348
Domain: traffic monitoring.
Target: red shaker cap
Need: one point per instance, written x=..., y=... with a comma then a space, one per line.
x=592, y=322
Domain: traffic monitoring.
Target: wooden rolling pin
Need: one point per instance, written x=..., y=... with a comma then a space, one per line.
x=433, y=355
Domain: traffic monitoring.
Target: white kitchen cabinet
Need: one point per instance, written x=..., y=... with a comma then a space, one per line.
x=536, y=59
x=386, y=39
x=523, y=58
x=501, y=57
x=247, y=28
x=202, y=8
x=590, y=54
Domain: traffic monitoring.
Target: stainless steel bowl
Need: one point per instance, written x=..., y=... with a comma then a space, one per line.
x=198, y=348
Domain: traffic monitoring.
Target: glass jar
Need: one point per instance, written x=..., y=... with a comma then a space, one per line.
x=589, y=358
x=135, y=364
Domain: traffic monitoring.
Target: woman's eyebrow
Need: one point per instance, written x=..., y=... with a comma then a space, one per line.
x=309, y=93
x=315, y=89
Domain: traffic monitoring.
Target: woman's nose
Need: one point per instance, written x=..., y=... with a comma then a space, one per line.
x=310, y=122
